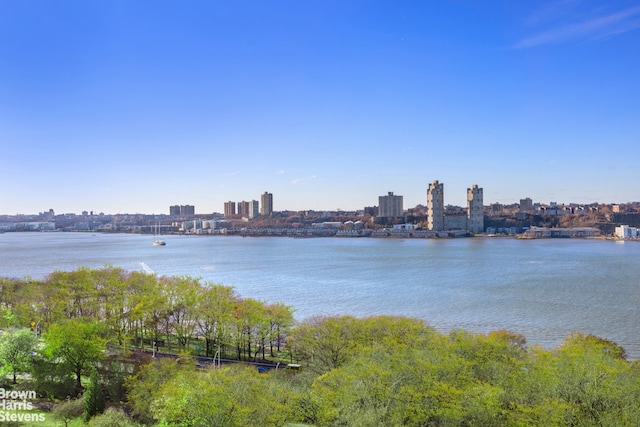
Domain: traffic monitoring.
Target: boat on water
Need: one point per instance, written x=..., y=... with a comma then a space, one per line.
x=158, y=241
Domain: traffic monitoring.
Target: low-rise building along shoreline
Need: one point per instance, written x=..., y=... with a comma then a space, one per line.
x=574, y=232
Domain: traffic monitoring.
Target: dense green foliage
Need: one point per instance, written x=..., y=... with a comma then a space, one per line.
x=68, y=410
x=390, y=371
x=170, y=394
x=16, y=347
x=94, y=398
x=399, y=372
x=112, y=418
x=77, y=344
x=179, y=314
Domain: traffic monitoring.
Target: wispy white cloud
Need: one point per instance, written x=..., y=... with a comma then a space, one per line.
x=551, y=12
x=280, y=172
x=598, y=27
x=299, y=180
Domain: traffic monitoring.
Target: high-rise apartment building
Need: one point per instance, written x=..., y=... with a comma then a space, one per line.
x=229, y=209
x=390, y=206
x=182, y=210
x=243, y=208
x=187, y=210
x=266, y=200
x=435, y=206
x=526, y=205
x=475, y=209
x=371, y=210
x=254, y=210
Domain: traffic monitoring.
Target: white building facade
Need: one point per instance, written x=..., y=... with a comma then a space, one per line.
x=435, y=206
x=625, y=232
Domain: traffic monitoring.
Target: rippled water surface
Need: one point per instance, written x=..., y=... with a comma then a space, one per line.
x=544, y=289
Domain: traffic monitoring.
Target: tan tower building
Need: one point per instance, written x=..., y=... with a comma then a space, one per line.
x=243, y=208
x=435, y=206
x=475, y=213
x=266, y=201
x=229, y=209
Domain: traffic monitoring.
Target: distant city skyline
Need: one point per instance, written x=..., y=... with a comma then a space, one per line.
x=123, y=107
x=252, y=208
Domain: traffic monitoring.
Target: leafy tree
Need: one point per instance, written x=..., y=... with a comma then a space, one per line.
x=112, y=418
x=16, y=350
x=593, y=380
x=113, y=294
x=270, y=327
x=251, y=326
x=325, y=343
x=142, y=388
x=150, y=306
x=182, y=296
x=228, y=396
x=51, y=379
x=14, y=302
x=48, y=304
x=77, y=343
x=490, y=357
x=393, y=332
x=531, y=392
x=113, y=378
x=68, y=410
x=215, y=306
x=94, y=399
x=280, y=321
x=77, y=291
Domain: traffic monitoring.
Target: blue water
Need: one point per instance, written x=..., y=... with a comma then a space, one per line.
x=544, y=289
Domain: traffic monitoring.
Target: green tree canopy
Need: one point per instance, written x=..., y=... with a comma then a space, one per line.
x=16, y=349
x=77, y=343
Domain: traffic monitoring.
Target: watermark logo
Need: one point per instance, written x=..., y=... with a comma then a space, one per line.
x=15, y=406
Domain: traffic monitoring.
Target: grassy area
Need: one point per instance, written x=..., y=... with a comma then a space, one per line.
x=49, y=420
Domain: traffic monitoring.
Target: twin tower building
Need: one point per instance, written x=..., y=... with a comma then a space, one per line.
x=473, y=221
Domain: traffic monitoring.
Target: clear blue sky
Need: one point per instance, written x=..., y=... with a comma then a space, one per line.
x=133, y=106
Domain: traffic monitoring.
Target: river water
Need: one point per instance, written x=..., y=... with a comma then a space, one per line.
x=544, y=289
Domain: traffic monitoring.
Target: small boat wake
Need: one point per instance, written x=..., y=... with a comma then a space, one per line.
x=147, y=268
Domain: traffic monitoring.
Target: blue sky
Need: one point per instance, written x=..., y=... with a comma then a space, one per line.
x=133, y=106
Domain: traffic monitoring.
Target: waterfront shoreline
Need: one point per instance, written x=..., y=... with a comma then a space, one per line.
x=324, y=233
